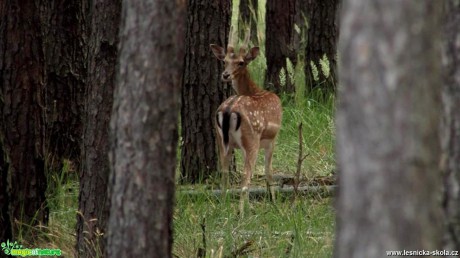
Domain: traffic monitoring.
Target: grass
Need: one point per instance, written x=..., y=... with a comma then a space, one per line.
x=62, y=198
x=283, y=229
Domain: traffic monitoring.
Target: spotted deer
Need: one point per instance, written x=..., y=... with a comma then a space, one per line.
x=249, y=120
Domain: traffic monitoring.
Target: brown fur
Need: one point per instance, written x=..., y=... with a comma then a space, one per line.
x=260, y=112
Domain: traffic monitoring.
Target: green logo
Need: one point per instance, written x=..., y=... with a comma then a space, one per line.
x=8, y=246
x=15, y=249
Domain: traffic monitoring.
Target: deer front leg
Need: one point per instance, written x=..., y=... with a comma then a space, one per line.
x=250, y=157
x=268, y=169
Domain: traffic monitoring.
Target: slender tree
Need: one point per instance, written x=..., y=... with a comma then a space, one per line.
x=22, y=114
x=202, y=89
x=104, y=18
x=387, y=129
x=144, y=128
x=450, y=134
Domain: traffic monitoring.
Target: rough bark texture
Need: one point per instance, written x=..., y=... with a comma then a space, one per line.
x=104, y=19
x=322, y=37
x=248, y=15
x=22, y=113
x=144, y=128
x=63, y=29
x=279, y=43
x=387, y=129
x=202, y=89
x=450, y=135
x=5, y=225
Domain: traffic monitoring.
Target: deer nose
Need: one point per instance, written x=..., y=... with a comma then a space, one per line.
x=225, y=75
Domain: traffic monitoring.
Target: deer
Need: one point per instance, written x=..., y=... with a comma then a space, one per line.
x=249, y=120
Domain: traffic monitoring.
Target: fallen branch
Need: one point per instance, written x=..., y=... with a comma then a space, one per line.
x=261, y=192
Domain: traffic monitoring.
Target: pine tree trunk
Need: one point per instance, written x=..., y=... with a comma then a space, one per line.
x=5, y=224
x=249, y=15
x=451, y=126
x=279, y=43
x=323, y=33
x=388, y=116
x=208, y=22
x=22, y=111
x=144, y=129
x=63, y=29
x=104, y=19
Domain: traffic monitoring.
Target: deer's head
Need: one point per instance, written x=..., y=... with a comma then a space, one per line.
x=235, y=61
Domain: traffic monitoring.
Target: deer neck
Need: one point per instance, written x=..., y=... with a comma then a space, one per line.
x=243, y=85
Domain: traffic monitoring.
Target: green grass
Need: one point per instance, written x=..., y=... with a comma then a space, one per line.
x=62, y=201
x=284, y=229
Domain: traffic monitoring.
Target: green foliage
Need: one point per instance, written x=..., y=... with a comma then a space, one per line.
x=283, y=229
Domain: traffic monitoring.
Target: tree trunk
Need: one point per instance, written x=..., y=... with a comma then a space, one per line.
x=144, y=129
x=279, y=43
x=63, y=29
x=249, y=15
x=451, y=124
x=5, y=224
x=322, y=39
x=22, y=132
x=208, y=22
x=389, y=195
x=104, y=19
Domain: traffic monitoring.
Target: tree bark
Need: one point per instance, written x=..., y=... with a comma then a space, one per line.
x=104, y=19
x=389, y=195
x=202, y=89
x=144, y=129
x=63, y=29
x=322, y=37
x=279, y=43
x=22, y=111
x=5, y=224
x=450, y=135
x=249, y=16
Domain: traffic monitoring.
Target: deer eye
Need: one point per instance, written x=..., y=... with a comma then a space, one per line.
x=241, y=64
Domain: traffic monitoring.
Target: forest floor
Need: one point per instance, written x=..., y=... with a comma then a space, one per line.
x=210, y=225
x=303, y=227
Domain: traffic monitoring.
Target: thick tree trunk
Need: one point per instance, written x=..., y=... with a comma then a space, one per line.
x=279, y=43
x=64, y=32
x=389, y=195
x=22, y=114
x=144, y=129
x=249, y=16
x=5, y=224
x=451, y=126
x=322, y=39
x=208, y=22
x=104, y=19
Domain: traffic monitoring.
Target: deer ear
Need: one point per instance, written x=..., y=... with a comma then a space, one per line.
x=219, y=52
x=252, y=54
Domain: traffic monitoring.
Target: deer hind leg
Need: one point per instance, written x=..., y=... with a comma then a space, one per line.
x=250, y=158
x=225, y=159
x=269, y=147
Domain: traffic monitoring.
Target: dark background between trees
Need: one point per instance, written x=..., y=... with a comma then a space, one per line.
x=61, y=60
